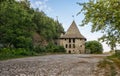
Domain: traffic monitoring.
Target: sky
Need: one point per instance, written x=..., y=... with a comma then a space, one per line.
x=64, y=10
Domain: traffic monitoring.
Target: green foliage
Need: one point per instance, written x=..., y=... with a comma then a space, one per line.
x=105, y=16
x=7, y=53
x=114, y=56
x=22, y=42
x=46, y=26
x=110, y=39
x=117, y=53
x=39, y=49
x=94, y=47
x=15, y=23
x=52, y=48
x=60, y=49
x=18, y=23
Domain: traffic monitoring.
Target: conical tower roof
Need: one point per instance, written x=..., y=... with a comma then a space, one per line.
x=73, y=32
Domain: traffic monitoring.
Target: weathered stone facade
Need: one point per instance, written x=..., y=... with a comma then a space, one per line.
x=72, y=40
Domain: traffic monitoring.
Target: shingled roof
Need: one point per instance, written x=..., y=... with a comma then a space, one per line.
x=73, y=32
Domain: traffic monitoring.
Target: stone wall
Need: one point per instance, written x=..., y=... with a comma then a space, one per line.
x=73, y=45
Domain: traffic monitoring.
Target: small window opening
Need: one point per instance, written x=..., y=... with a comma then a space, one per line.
x=66, y=45
x=73, y=40
x=73, y=45
x=69, y=40
x=69, y=45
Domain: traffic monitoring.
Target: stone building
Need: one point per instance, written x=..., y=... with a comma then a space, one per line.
x=73, y=41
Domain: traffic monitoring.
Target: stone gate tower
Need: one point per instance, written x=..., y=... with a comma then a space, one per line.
x=73, y=41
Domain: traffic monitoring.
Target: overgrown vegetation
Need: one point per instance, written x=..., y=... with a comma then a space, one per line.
x=111, y=65
x=93, y=47
x=18, y=24
x=8, y=53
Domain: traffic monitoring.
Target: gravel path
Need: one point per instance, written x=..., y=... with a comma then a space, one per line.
x=51, y=65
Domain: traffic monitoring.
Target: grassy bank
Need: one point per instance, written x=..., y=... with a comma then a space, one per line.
x=15, y=53
x=4, y=57
x=10, y=53
x=110, y=65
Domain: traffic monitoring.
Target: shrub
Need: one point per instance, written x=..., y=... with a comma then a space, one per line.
x=117, y=53
x=22, y=52
x=7, y=53
x=60, y=49
x=93, y=47
x=39, y=49
x=52, y=48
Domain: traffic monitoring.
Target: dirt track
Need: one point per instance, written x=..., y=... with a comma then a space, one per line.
x=52, y=65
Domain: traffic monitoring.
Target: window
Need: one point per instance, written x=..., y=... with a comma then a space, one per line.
x=73, y=45
x=69, y=45
x=65, y=39
x=73, y=40
x=69, y=40
x=66, y=45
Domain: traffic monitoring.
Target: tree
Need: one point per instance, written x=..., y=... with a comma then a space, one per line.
x=15, y=24
x=105, y=17
x=46, y=26
x=18, y=23
x=93, y=47
x=110, y=39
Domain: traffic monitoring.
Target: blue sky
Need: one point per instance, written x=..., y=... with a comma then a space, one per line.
x=64, y=9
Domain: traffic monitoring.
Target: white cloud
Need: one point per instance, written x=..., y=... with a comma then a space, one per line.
x=41, y=5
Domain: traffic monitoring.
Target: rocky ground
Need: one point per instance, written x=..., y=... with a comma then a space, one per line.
x=52, y=65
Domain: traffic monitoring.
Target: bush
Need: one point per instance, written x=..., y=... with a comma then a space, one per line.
x=93, y=47
x=7, y=53
x=39, y=49
x=52, y=48
x=23, y=42
x=60, y=49
x=23, y=52
x=117, y=53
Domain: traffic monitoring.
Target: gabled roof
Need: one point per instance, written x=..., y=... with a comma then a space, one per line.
x=73, y=32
